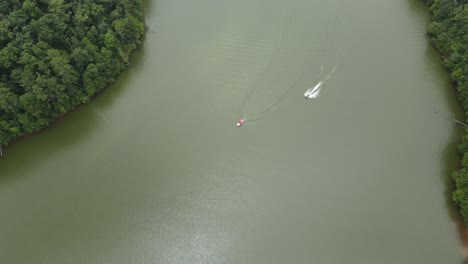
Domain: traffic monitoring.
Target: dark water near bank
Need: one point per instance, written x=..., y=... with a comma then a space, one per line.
x=154, y=170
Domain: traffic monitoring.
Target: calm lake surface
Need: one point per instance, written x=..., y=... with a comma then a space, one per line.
x=154, y=170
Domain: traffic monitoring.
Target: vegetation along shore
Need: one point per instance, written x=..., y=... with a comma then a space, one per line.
x=449, y=34
x=56, y=54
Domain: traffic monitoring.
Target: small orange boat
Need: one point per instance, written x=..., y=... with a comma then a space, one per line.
x=240, y=122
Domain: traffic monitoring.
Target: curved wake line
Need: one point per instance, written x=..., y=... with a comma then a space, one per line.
x=282, y=96
x=274, y=55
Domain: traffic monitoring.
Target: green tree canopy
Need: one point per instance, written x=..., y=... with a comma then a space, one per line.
x=57, y=54
x=449, y=33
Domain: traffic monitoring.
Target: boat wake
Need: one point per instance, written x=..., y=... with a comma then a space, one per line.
x=262, y=79
x=314, y=92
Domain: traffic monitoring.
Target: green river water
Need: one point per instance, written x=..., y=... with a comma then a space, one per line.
x=154, y=170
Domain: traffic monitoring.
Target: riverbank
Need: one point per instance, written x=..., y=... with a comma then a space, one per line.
x=58, y=56
x=153, y=171
x=449, y=34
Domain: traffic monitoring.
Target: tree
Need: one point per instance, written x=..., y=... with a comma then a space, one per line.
x=449, y=33
x=57, y=54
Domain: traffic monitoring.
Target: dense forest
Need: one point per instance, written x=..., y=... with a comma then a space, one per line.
x=449, y=32
x=57, y=54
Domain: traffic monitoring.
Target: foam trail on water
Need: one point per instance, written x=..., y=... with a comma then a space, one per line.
x=326, y=78
x=310, y=90
x=313, y=89
x=315, y=92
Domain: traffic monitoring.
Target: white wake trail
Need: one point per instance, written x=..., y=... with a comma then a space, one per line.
x=326, y=78
x=312, y=89
x=315, y=92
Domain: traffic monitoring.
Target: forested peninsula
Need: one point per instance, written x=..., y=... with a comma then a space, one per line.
x=449, y=33
x=56, y=54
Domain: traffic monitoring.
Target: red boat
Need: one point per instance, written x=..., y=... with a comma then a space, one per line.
x=240, y=122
